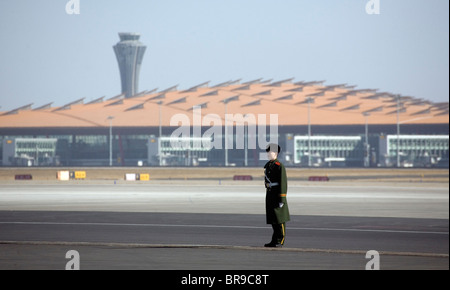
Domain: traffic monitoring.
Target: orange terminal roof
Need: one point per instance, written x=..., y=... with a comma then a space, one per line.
x=330, y=105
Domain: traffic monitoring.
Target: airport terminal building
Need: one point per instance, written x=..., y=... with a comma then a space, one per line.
x=229, y=124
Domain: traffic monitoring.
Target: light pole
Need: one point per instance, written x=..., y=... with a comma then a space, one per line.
x=245, y=141
x=160, y=133
x=226, y=135
x=309, y=100
x=366, y=143
x=226, y=101
x=398, y=129
x=110, y=118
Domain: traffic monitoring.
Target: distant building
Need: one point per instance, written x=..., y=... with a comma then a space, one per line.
x=129, y=52
x=331, y=151
x=170, y=151
x=29, y=152
x=414, y=150
x=228, y=124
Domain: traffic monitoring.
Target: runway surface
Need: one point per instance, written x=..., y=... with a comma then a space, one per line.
x=194, y=226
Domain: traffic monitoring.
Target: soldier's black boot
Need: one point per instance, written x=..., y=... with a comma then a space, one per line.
x=277, y=237
x=273, y=245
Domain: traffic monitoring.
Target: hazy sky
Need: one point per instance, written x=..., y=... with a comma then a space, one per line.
x=47, y=55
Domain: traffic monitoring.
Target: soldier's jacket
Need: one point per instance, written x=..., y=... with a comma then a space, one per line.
x=275, y=181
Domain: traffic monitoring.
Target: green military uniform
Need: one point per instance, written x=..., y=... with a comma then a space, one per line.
x=277, y=210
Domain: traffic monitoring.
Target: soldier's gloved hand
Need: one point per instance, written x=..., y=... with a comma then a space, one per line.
x=281, y=204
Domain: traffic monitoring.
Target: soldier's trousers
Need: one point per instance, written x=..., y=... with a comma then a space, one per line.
x=279, y=233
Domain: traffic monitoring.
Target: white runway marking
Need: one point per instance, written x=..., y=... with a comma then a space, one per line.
x=219, y=226
x=380, y=200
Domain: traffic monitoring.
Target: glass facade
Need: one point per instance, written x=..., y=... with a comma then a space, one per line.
x=170, y=151
x=143, y=149
x=320, y=151
x=29, y=152
x=127, y=150
x=414, y=150
x=88, y=150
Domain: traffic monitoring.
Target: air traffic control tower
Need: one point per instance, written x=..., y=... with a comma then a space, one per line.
x=129, y=52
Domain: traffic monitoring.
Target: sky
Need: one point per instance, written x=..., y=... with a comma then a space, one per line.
x=48, y=55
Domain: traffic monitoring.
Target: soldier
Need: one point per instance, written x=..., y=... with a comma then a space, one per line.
x=277, y=211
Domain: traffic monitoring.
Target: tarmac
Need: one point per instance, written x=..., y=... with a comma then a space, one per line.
x=196, y=224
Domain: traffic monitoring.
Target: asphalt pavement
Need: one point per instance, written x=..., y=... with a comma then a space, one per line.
x=221, y=227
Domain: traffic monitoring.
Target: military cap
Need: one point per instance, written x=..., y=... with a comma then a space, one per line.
x=273, y=147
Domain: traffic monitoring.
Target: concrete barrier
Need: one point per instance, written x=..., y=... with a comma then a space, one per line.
x=63, y=175
x=23, y=177
x=130, y=176
x=242, y=177
x=318, y=178
x=137, y=176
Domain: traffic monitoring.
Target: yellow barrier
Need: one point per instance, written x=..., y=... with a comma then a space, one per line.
x=80, y=174
x=144, y=177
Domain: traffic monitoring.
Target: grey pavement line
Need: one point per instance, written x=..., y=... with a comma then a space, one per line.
x=218, y=247
x=219, y=226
